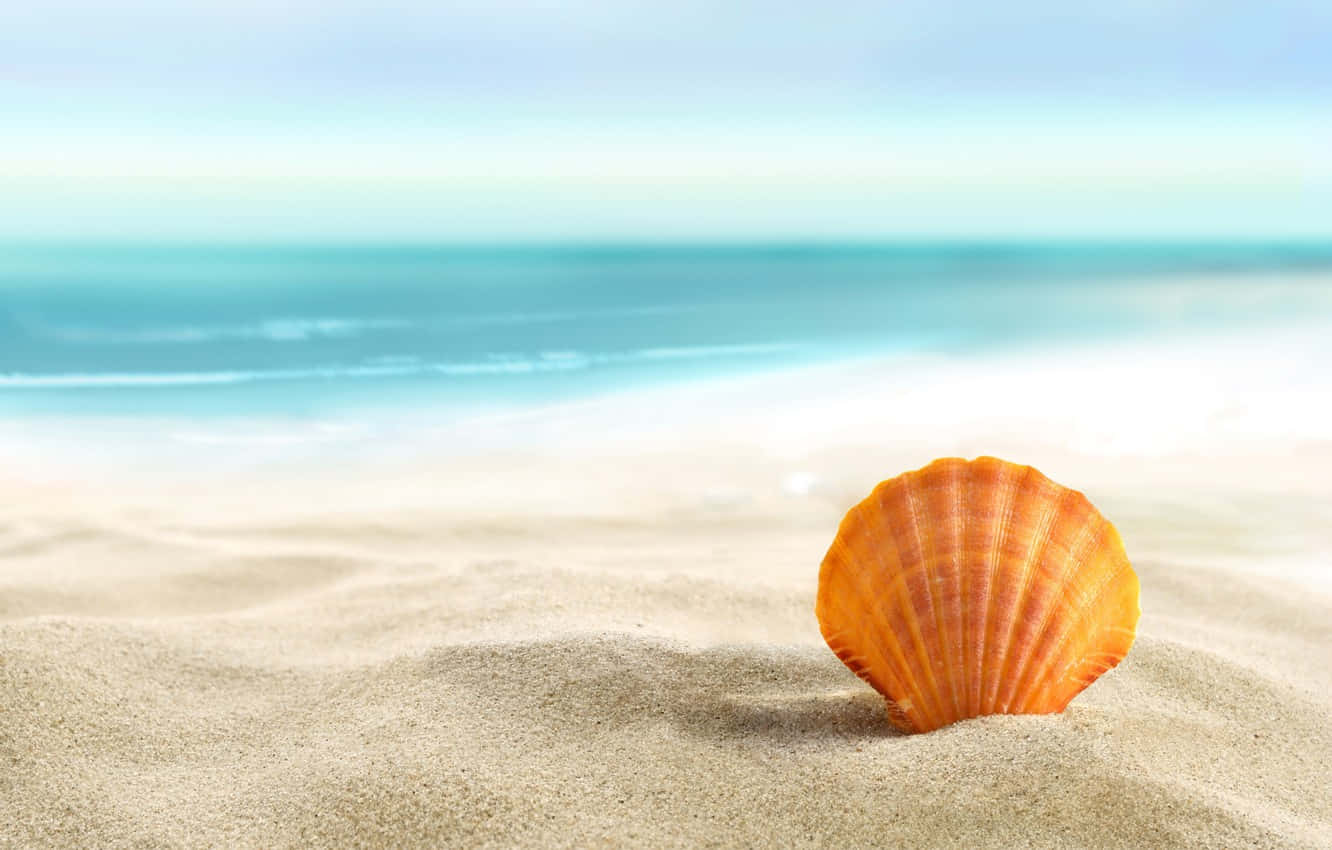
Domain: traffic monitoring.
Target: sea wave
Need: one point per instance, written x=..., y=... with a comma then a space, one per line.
x=273, y=330
x=305, y=328
x=495, y=364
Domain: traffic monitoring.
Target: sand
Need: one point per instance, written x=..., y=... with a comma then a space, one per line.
x=611, y=643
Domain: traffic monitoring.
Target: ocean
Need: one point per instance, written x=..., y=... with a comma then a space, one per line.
x=220, y=330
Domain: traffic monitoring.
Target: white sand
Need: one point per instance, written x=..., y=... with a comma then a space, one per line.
x=609, y=640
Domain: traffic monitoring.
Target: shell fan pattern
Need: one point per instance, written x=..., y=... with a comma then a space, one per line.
x=976, y=587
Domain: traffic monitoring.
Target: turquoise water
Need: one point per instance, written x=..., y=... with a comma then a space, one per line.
x=308, y=329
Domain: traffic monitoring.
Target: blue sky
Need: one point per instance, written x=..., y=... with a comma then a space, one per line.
x=501, y=119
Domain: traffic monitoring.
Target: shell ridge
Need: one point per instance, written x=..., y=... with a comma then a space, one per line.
x=852, y=656
x=925, y=542
x=957, y=487
x=1088, y=668
x=841, y=645
x=1094, y=669
x=973, y=657
x=952, y=585
x=927, y=708
x=961, y=490
x=907, y=691
x=1091, y=535
x=1007, y=493
x=1030, y=566
x=977, y=568
x=903, y=687
x=1094, y=645
x=910, y=688
x=1051, y=682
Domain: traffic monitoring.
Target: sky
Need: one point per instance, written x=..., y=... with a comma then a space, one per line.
x=496, y=120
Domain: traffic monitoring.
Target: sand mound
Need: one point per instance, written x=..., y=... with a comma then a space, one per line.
x=412, y=678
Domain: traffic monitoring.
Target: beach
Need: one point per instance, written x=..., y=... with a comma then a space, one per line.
x=494, y=426
x=593, y=625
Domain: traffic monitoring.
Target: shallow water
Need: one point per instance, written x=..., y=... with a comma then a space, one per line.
x=297, y=330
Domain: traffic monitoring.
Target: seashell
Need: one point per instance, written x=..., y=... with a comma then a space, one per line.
x=976, y=587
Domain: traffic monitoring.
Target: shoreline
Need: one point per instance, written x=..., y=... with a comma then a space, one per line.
x=1168, y=406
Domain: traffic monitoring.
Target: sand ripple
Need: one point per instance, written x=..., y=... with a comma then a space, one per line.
x=607, y=684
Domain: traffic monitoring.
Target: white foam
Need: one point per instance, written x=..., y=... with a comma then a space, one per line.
x=282, y=329
x=495, y=364
x=305, y=328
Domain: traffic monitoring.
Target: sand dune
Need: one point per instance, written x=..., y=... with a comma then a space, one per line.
x=426, y=678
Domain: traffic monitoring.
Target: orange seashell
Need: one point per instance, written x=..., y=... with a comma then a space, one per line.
x=976, y=587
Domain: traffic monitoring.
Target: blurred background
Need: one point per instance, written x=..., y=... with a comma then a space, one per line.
x=331, y=213
x=505, y=120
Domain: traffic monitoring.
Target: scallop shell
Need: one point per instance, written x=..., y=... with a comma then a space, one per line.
x=976, y=587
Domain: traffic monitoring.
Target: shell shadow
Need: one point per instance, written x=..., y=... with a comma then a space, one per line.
x=611, y=682
x=789, y=719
